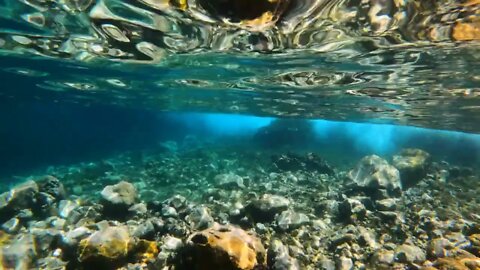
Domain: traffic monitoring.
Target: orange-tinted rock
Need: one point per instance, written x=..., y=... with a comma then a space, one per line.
x=222, y=247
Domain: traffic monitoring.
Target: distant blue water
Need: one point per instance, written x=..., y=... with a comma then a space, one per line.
x=36, y=134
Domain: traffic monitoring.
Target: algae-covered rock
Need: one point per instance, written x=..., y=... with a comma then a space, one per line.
x=375, y=174
x=108, y=245
x=412, y=164
x=222, y=247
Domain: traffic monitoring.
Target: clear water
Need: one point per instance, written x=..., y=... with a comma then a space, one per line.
x=286, y=97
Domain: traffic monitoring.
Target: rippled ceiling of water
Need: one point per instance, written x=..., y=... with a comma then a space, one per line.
x=412, y=62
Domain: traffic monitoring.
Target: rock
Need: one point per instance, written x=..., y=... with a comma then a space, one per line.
x=351, y=210
x=44, y=239
x=73, y=237
x=171, y=243
x=138, y=209
x=383, y=258
x=290, y=220
x=389, y=204
x=199, y=218
x=439, y=248
x=18, y=253
x=344, y=263
x=52, y=186
x=229, y=181
x=116, y=199
x=266, y=207
x=409, y=254
x=105, y=247
x=123, y=193
x=178, y=202
x=144, y=230
x=457, y=263
x=168, y=211
x=375, y=174
x=65, y=207
x=309, y=162
x=23, y=196
x=12, y=225
x=279, y=258
x=412, y=164
x=222, y=247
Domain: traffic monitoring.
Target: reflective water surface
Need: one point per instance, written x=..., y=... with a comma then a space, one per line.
x=405, y=62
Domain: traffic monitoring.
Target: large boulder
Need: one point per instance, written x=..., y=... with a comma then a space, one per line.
x=376, y=176
x=412, y=164
x=221, y=247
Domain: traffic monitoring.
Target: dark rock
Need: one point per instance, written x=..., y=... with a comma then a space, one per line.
x=52, y=186
x=116, y=199
x=266, y=207
x=309, y=162
x=23, y=196
x=412, y=165
x=351, y=210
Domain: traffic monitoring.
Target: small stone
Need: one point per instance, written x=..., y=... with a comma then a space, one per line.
x=12, y=225
x=409, y=254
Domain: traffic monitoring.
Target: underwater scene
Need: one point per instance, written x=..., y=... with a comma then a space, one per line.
x=240, y=134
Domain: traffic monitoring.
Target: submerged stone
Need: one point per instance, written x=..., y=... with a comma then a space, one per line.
x=229, y=181
x=290, y=220
x=23, y=196
x=412, y=164
x=375, y=174
x=107, y=246
x=309, y=162
x=279, y=258
x=266, y=207
x=222, y=247
x=117, y=198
